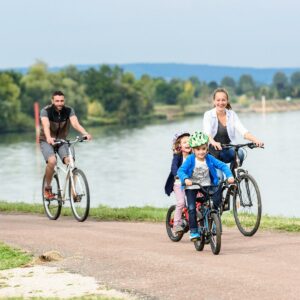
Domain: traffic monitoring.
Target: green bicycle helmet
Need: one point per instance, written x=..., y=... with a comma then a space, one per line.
x=197, y=139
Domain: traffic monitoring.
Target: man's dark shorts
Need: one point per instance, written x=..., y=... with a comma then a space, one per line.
x=48, y=150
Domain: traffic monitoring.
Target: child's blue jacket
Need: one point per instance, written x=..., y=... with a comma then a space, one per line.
x=186, y=169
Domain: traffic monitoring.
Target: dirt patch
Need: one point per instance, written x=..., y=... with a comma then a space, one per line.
x=45, y=281
x=48, y=257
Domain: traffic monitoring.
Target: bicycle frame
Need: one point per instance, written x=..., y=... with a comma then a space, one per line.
x=237, y=171
x=67, y=171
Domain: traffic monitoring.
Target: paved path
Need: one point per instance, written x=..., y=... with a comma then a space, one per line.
x=139, y=257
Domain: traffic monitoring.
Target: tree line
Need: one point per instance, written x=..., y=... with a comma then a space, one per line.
x=110, y=95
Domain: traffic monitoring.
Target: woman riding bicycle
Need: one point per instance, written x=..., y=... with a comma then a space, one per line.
x=221, y=124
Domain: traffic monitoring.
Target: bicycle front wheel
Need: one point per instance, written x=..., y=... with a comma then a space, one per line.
x=199, y=244
x=247, y=205
x=79, y=195
x=214, y=228
x=52, y=207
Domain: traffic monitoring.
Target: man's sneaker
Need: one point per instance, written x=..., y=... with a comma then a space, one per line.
x=179, y=229
x=48, y=193
x=194, y=236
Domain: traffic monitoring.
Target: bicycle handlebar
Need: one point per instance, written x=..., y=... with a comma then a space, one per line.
x=208, y=187
x=70, y=142
x=212, y=186
x=237, y=146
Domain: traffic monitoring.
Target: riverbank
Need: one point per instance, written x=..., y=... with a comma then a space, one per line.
x=150, y=214
x=174, y=112
x=275, y=106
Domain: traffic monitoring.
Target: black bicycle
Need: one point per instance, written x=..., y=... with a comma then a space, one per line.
x=208, y=220
x=244, y=195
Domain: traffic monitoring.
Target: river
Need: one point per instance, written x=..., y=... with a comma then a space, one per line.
x=129, y=166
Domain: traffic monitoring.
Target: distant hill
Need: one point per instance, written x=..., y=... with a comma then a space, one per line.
x=203, y=72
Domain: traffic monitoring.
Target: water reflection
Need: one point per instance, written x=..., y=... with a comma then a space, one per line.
x=128, y=166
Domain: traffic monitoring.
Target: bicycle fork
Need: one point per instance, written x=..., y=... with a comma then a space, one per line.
x=242, y=203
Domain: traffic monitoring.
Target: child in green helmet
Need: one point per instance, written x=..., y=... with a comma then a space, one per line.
x=200, y=167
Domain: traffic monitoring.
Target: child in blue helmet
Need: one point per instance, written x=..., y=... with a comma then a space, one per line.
x=181, y=150
x=200, y=167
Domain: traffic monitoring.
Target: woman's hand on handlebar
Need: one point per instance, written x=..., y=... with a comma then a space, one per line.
x=188, y=182
x=248, y=136
x=258, y=143
x=216, y=145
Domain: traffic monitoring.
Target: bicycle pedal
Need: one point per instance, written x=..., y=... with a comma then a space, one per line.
x=226, y=207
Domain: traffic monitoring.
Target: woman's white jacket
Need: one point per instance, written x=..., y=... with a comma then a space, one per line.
x=233, y=123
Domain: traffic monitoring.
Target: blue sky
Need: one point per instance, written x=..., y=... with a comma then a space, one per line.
x=256, y=33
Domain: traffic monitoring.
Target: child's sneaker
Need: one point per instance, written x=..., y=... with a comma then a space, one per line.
x=194, y=236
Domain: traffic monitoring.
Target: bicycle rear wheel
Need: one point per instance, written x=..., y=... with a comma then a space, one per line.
x=214, y=228
x=79, y=195
x=247, y=205
x=52, y=207
x=170, y=225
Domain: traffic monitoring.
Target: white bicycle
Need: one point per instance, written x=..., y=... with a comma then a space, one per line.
x=74, y=188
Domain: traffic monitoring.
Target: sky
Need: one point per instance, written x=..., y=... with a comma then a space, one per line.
x=244, y=33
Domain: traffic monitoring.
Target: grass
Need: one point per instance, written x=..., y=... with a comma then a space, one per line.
x=267, y=222
x=12, y=258
x=150, y=214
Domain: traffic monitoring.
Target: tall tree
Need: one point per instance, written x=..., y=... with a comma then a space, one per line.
x=197, y=85
x=10, y=116
x=295, y=84
x=187, y=95
x=246, y=85
x=167, y=92
x=36, y=87
x=280, y=82
x=228, y=82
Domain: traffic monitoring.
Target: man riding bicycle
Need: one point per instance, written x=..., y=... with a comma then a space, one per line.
x=56, y=119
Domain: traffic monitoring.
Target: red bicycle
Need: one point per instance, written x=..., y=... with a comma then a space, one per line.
x=176, y=237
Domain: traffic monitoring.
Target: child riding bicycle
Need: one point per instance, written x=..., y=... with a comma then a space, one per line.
x=201, y=168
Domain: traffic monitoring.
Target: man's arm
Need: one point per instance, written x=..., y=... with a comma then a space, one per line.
x=75, y=124
x=46, y=126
